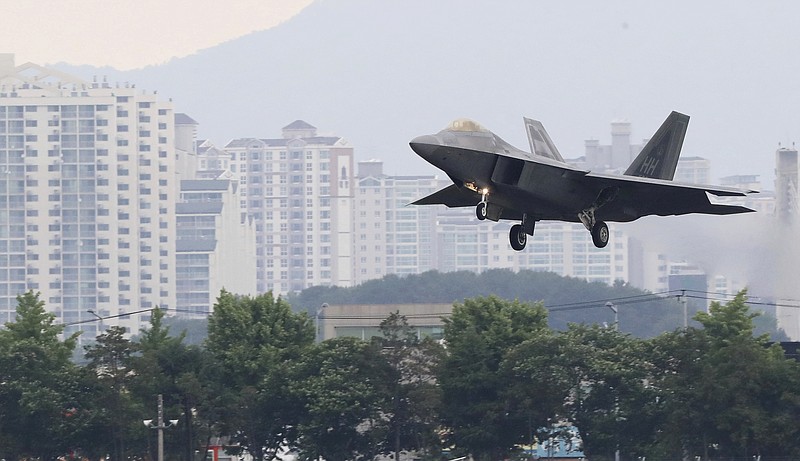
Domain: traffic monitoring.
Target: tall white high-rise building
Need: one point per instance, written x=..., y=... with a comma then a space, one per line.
x=786, y=185
x=87, y=195
x=391, y=237
x=298, y=189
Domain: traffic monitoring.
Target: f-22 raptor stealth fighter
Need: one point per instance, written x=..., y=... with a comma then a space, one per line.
x=503, y=182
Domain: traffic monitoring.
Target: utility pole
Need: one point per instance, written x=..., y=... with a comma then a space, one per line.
x=160, y=426
x=685, y=303
x=318, y=334
x=614, y=309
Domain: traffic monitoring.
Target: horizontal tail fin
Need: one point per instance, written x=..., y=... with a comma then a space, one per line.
x=659, y=158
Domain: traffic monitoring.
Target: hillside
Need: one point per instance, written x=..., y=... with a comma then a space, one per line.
x=380, y=73
x=639, y=313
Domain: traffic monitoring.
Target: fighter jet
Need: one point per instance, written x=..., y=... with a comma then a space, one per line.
x=503, y=182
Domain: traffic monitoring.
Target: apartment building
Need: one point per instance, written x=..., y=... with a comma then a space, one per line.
x=214, y=248
x=298, y=189
x=391, y=237
x=86, y=197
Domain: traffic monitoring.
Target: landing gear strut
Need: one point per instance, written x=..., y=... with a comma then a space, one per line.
x=598, y=229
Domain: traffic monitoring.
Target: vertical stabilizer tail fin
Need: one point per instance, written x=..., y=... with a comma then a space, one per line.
x=659, y=158
x=540, y=141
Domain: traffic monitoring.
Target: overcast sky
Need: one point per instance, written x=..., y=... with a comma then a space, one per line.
x=575, y=65
x=128, y=34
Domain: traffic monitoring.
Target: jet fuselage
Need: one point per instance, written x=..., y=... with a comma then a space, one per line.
x=504, y=182
x=482, y=161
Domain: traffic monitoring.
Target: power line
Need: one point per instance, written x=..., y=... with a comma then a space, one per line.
x=635, y=299
x=578, y=305
x=98, y=319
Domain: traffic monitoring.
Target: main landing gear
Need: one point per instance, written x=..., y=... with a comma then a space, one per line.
x=517, y=237
x=518, y=234
x=598, y=229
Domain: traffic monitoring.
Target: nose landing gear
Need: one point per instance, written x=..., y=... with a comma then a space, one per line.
x=480, y=211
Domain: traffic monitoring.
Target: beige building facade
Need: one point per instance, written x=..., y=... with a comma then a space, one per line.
x=298, y=189
x=363, y=320
x=88, y=186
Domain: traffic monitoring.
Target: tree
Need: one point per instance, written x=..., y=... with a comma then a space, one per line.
x=684, y=421
x=540, y=374
x=344, y=391
x=167, y=366
x=609, y=397
x=256, y=341
x=38, y=384
x=481, y=415
x=744, y=384
x=108, y=373
x=724, y=392
x=413, y=416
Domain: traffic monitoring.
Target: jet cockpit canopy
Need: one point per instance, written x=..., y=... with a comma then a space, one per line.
x=465, y=124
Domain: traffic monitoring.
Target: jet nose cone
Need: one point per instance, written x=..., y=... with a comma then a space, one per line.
x=425, y=145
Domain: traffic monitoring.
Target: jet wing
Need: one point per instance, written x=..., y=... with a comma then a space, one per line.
x=451, y=196
x=637, y=197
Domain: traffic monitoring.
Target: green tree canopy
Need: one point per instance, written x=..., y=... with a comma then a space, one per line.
x=344, y=391
x=38, y=384
x=412, y=419
x=482, y=417
x=256, y=341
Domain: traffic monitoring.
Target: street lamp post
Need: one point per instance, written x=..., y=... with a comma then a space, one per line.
x=160, y=426
x=318, y=333
x=614, y=309
x=98, y=317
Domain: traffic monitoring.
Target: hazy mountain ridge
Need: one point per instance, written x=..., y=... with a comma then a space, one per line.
x=380, y=73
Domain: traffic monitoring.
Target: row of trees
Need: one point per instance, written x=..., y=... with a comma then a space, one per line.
x=503, y=381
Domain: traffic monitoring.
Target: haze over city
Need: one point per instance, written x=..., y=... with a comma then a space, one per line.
x=379, y=74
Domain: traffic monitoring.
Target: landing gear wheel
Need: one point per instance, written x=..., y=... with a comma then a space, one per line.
x=600, y=234
x=517, y=237
x=480, y=211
